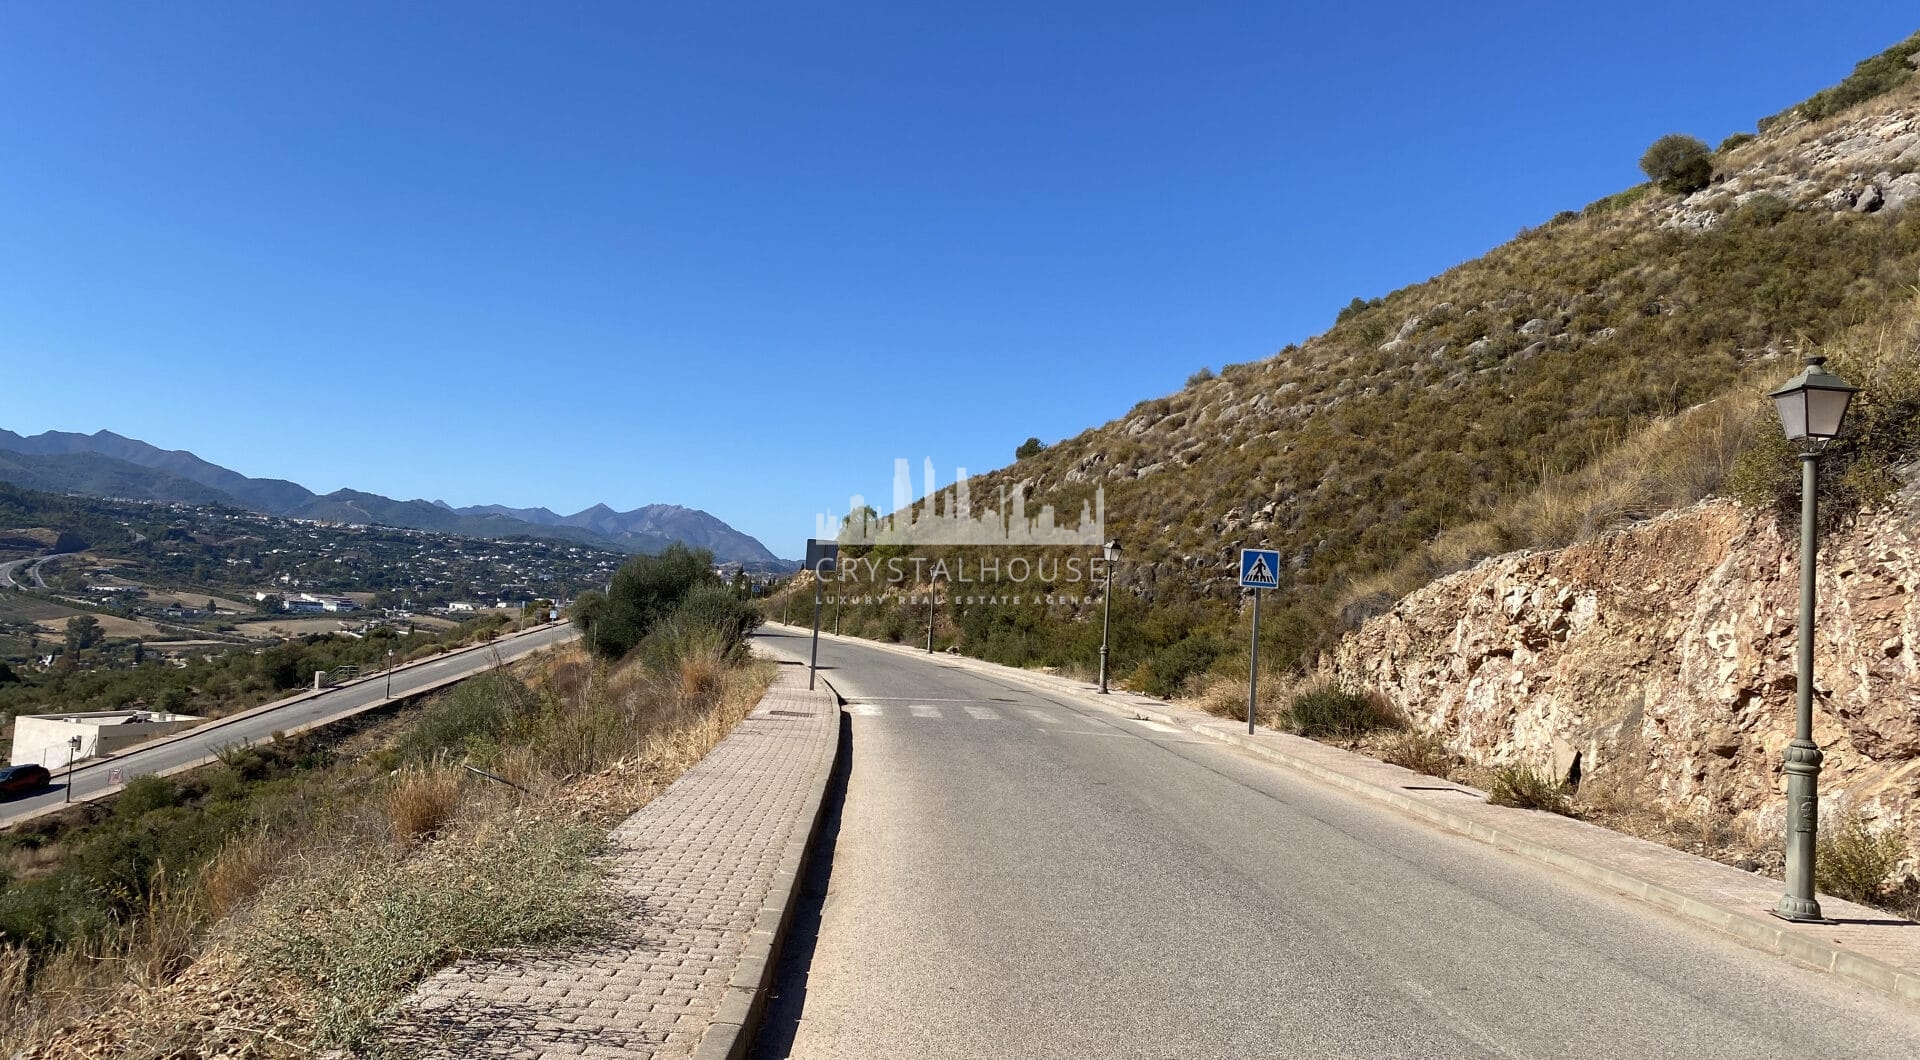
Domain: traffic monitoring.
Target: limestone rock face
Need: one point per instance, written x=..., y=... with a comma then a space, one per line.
x=1670, y=647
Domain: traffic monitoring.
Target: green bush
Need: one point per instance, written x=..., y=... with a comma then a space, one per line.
x=1736, y=140
x=1028, y=449
x=469, y=717
x=145, y=794
x=1164, y=674
x=1882, y=432
x=1332, y=712
x=644, y=592
x=1871, y=77
x=1528, y=789
x=1678, y=163
x=1854, y=862
x=1761, y=211
x=715, y=608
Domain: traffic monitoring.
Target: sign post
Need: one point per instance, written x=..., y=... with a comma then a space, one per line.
x=1259, y=569
x=822, y=557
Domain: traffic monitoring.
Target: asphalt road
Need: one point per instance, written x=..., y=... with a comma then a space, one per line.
x=1014, y=874
x=200, y=745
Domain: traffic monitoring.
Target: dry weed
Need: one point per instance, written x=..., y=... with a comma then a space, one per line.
x=239, y=870
x=421, y=802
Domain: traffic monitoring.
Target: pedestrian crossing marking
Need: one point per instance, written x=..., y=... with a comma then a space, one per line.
x=923, y=710
x=1154, y=725
x=870, y=710
x=983, y=713
x=1043, y=717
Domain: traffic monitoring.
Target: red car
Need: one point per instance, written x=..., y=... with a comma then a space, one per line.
x=19, y=780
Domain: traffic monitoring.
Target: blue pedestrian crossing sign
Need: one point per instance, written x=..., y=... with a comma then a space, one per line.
x=1259, y=568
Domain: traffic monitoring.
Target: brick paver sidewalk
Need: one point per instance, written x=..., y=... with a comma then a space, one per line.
x=695, y=866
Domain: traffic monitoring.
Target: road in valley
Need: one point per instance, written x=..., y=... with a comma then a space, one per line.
x=199, y=745
x=1015, y=873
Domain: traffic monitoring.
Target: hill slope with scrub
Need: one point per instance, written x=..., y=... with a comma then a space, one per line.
x=1591, y=372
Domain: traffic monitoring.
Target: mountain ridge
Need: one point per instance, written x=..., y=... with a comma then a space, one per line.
x=109, y=464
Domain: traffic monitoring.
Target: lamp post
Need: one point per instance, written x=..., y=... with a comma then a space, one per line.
x=1111, y=551
x=389, y=673
x=933, y=596
x=1812, y=406
x=73, y=748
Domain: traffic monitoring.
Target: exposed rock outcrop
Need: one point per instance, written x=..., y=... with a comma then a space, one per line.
x=1675, y=638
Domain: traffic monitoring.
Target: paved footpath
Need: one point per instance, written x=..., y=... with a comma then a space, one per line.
x=708, y=869
x=1865, y=945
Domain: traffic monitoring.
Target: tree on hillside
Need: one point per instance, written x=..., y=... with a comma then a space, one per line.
x=1030, y=447
x=83, y=632
x=1678, y=163
x=644, y=591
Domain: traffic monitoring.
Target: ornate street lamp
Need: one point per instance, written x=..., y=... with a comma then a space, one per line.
x=1812, y=406
x=1111, y=550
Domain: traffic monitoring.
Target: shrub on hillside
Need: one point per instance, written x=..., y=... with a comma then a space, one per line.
x=1165, y=673
x=1527, y=788
x=644, y=592
x=1330, y=712
x=1882, y=432
x=1871, y=77
x=714, y=608
x=1853, y=861
x=1678, y=163
x=145, y=794
x=467, y=719
x=1421, y=750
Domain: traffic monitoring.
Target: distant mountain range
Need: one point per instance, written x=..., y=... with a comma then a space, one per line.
x=106, y=464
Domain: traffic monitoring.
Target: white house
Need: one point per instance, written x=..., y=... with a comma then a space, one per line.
x=50, y=739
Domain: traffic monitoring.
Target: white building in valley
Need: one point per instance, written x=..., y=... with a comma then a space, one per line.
x=50, y=739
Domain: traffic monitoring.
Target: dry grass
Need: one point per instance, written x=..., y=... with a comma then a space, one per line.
x=358, y=926
x=1527, y=788
x=421, y=801
x=1671, y=463
x=1420, y=750
x=358, y=888
x=238, y=872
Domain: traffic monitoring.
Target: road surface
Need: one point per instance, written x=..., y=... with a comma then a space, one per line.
x=91, y=778
x=1016, y=874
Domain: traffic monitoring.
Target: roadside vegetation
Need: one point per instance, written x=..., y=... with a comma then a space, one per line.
x=218, y=681
x=281, y=901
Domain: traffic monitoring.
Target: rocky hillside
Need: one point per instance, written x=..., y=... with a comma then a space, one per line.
x=1668, y=650
x=1436, y=404
x=1589, y=374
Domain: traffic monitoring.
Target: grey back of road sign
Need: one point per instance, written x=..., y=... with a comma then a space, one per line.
x=1259, y=568
x=823, y=557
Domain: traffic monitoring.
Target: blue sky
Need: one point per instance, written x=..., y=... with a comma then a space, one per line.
x=742, y=256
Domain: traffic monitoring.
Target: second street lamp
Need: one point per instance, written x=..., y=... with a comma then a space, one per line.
x=1112, y=552
x=1812, y=406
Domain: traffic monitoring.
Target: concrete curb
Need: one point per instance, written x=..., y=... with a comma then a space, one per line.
x=737, y=1020
x=1757, y=930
